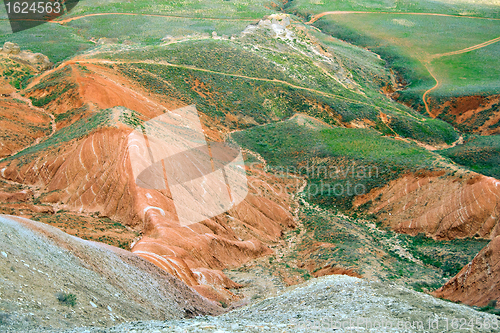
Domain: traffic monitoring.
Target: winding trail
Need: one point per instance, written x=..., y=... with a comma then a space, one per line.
x=424, y=96
x=427, y=61
x=440, y=55
x=467, y=49
x=314, y=18
x=164, y=63
x=64, y=21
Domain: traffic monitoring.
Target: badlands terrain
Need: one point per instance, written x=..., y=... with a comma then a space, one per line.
x=370, y=138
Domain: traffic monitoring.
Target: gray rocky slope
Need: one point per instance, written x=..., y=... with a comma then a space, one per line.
x=334, y=304
x=38, y=263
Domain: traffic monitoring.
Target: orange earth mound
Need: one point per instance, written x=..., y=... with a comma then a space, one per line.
x=20, y=123
x=92, y=175
x=480, y=114
x=477, y=283
x=441, y=206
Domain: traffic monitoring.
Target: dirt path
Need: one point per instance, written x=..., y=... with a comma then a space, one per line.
x=314, y=18
x=424, y=96
x=164, y=63
x=467, y=49
x=439, y=55
x=64, y=21
x=30, y=104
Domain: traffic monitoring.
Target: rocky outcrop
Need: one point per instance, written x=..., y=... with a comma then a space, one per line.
x=439, y=205
x=40, y=264
x=10, y=48
x=477, y=283
x=21, y=196
x=37, y=60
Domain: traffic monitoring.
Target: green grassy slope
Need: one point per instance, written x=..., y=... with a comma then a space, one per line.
x=339, y=163
x=272, y=81
x=338, y=160
x=183, y=8
x=408, y=42
x=60, y=42
x=150, y=30
x=475, y=72
x=419, y=262
x=480, y=154
x=55, y=41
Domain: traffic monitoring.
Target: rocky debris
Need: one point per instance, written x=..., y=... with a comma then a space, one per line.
x=40, y=267
x=468, y=112
x=168, y=38
x=107, y=41
x=11, y=48
x=37, y=60
x=279, y=26
x=477, y=283
x=333, y=304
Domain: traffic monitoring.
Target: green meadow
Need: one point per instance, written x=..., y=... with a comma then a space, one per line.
x=412, y=45
x=480, y=8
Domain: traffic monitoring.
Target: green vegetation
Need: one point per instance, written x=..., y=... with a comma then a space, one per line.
x=338, y=162
x=92, y=228
x=225, y=77
x=18, y=79
x=17, y=74
x=491, y=308
x=406, y=42
x=419, y=262
x=56, y=85
x=141, y=30
x=479, y=153
x=472, y=73
x=66, y=299
x=223, y=9
x=280, y=143
x=482, y=8
x=71, y=115
x=76, y=130
x=55, y=94
x=449, y=256
x=53, y=40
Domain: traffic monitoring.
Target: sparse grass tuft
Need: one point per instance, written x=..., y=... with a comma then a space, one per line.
x=66, y=299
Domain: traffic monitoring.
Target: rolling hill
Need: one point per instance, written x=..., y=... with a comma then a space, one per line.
x=368, y=130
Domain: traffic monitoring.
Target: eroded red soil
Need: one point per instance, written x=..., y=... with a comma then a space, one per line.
x=440, y=205
x=479, y=114
x=478, y=282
